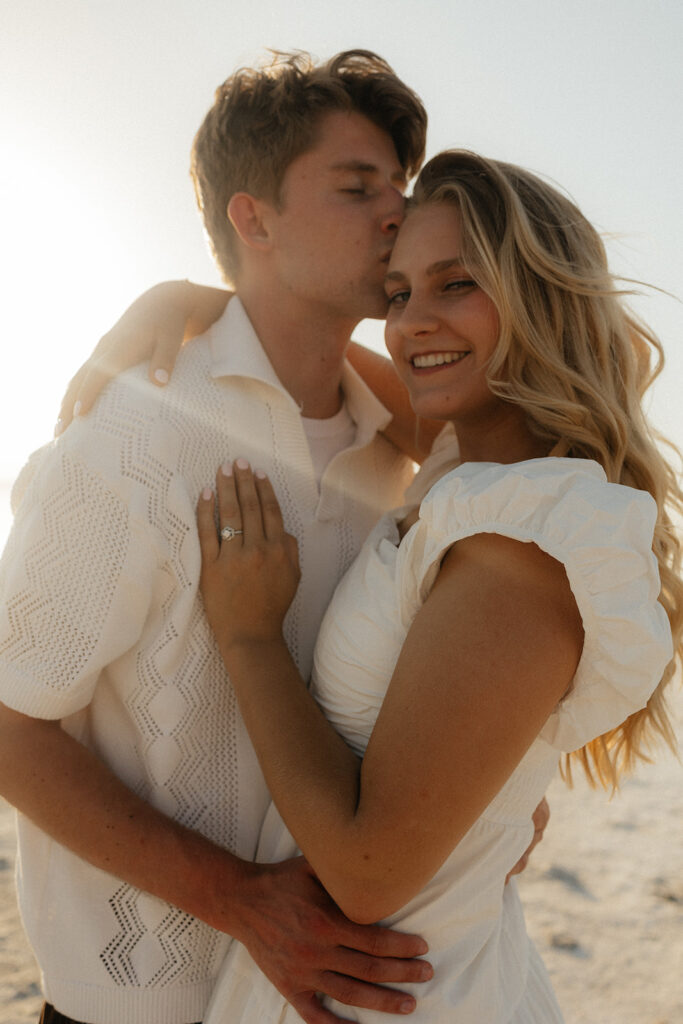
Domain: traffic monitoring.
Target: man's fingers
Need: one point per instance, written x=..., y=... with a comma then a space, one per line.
x=311, y=1010
x=540, y=819
x=383, y=970
x=351, y=992
x=383, y=942
x=541, y=816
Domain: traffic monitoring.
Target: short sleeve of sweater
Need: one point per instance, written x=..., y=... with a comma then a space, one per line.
x=74, y=584
x=602, y=533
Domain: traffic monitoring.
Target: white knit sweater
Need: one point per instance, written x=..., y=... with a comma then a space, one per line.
x=101, y=625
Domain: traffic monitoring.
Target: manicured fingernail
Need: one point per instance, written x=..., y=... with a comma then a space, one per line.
x=226, y=469
x=207, y=493
x=242, y=464
x=59, y=427
x=161, y=376
x=259, y=474
x=77, y=408
x=407, y=1006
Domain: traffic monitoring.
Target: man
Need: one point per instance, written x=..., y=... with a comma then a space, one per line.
x=120, y=741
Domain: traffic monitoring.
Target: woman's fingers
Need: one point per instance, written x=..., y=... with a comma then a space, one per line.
x=248, y=578
x=248, y=508
x=206, y=526
x=162, y=360
x=66, y=410
x=271, y=513
x=249, y=503
x=229, y=512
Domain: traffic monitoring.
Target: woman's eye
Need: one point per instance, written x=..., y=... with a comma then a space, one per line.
x=398, y=298
x=459, y=285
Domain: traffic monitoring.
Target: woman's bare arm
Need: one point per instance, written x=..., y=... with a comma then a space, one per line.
x=488, y=657
x=153, y=327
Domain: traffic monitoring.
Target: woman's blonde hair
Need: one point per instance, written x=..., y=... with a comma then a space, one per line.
x=578, y=362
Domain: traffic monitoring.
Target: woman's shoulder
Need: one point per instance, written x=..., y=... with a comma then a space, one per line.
x=601, y=533
x=548, y=474
x=556, y=495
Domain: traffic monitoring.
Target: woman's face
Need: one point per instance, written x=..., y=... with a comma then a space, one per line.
x=441, y=327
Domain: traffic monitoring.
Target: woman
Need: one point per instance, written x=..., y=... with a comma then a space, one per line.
x=511, y=616
x=508, y=614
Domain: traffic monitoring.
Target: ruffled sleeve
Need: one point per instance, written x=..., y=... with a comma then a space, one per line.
x=602, y=533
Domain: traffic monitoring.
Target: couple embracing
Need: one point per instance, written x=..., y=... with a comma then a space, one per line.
x=169, y=586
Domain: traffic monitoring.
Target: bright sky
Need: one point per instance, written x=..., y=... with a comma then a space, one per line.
x=101, y=98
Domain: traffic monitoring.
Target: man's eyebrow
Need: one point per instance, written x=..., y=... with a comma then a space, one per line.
x=365, y=168
x=432, y=269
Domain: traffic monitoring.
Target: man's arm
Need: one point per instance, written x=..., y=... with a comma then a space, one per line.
x=280, y=912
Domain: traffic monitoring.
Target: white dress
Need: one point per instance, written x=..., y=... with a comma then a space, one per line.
x=486, y=970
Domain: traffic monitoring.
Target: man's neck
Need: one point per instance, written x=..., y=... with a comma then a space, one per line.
x=305, y=345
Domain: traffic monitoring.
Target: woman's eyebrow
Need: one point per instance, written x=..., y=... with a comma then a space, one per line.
x=436, y=268
x=432, y=269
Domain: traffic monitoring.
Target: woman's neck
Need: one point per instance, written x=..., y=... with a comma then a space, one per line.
x=505, y=440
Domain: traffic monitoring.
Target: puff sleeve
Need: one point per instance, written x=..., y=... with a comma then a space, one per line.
x=602, y=533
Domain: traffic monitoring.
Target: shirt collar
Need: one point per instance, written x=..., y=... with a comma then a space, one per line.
x=237, y=352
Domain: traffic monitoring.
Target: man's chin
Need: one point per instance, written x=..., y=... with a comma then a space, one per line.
x=377, y=308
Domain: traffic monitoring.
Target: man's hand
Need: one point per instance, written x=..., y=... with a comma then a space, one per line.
x=304, y=945
x=540, y=818
x=281, y=913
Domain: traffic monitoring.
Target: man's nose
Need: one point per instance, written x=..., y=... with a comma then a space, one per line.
x=393, y=217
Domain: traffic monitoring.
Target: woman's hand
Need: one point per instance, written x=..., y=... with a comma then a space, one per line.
x=153, y=328
x=251, y=572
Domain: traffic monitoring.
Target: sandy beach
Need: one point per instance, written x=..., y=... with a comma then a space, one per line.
x=604, y=899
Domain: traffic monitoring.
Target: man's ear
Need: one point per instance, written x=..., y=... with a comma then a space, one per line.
x=249, y=217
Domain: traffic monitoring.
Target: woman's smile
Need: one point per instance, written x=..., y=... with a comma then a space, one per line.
x=434, y=360
x=442, y=328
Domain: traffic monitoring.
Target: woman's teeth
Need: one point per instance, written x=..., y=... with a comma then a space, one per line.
x=437, y=359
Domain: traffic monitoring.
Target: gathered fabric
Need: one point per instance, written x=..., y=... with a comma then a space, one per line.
x=485, y=967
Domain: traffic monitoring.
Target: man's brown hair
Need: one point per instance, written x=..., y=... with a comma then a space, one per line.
x=264, y=118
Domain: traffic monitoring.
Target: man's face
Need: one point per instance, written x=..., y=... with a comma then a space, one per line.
x=341, y=205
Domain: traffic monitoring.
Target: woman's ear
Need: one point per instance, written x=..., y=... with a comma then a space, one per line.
x=249, y=218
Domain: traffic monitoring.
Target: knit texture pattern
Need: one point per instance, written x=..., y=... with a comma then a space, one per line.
x=102, y=625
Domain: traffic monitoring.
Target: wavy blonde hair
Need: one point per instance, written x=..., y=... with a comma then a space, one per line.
x=573, y=356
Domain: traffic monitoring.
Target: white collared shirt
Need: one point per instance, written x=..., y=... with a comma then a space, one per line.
x=102, y=626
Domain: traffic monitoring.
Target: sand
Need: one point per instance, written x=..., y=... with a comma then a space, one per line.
x=604, y=899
